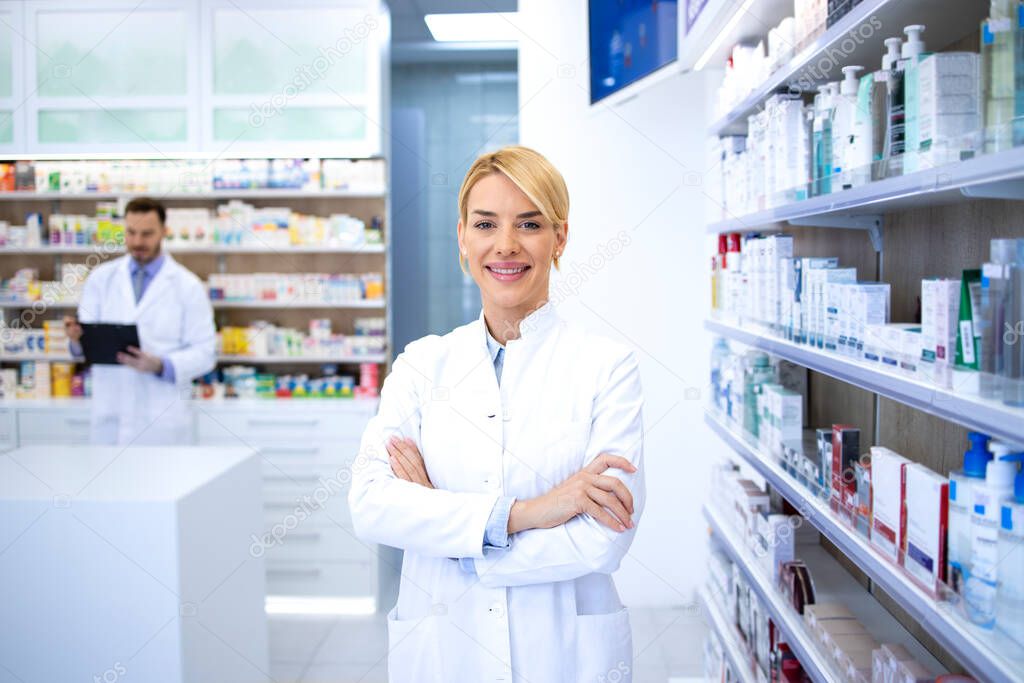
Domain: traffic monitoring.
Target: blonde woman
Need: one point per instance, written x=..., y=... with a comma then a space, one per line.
x=506, y=460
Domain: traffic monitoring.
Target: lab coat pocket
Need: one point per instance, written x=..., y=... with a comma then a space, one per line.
x=604, y=647
x=414, y=649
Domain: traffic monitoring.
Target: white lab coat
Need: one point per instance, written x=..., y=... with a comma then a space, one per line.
x=175, y=320
x=545, y=610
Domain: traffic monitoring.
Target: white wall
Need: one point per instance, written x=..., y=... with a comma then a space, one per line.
x=636, y=170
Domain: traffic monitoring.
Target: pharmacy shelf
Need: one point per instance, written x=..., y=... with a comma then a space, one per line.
x=984, y=653
x=735, y=650
x=296, y=360
x=225, y=358
x=356, y=303
x=832, y=583
x=815, y=663
x=210, y=249
x=857, y=38
x=45, y=305
x=253, y=193
x=998, y=175
x=953, y=404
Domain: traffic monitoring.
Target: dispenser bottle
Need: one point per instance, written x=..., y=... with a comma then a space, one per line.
x=989, y=497
x=880, y=107
x=844, y=130
x=1010, y=596
x=897, y=109
x=997, y=74
x=1013, y=329
x=995, y=283
x=958, y=550
x=822, y=139
x=757, y=372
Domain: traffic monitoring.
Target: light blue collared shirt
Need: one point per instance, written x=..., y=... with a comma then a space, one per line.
x=496, y=532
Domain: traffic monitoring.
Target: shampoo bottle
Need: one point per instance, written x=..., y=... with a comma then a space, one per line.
x=958, y=550
x=1010, y=596
x=821, y=141
x=1013, y=330
x=897, y=109
x=988, y=499
x=995, y=275
x=844, y=129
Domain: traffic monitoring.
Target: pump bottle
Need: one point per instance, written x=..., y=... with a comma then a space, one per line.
x=989, y=497
x=1010, y=596
x=844, y=130
x=958, y=549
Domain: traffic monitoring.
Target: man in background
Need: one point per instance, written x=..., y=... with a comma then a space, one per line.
x=143, y=399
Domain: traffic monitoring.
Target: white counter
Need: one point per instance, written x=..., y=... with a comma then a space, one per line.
x=131, y=562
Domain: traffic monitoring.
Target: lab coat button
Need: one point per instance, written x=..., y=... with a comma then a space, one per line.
x=497, y=610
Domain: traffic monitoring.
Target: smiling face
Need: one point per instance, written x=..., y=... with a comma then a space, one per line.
x=509, y=246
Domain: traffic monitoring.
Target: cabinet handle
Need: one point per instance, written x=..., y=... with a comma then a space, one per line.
x=76, y=421
x=305, y=536
x=283, y=423
x=294, y=572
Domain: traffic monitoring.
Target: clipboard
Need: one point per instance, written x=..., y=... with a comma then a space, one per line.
x=101, y=342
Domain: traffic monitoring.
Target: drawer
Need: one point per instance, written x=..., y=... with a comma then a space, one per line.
x=277, y=424
x=325, y=579
x=287, y=454
x=319, y=544
x=53, y=426
x=306, y=497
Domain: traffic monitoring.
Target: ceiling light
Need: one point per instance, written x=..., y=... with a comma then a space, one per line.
x=474, y=27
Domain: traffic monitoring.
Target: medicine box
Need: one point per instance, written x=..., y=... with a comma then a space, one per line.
x=845, y=452
x=888, y=520
x=927, y=505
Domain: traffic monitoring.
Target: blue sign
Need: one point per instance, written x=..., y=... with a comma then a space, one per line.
x=629, y=39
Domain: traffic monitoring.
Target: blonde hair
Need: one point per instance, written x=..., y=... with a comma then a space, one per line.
x=531, y=172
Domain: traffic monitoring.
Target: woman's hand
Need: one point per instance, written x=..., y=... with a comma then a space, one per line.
x=406, y=461
x=604, y=498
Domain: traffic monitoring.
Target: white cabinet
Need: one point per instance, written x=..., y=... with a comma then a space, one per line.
x=8, y=429
x=306, y=449
x=58, y=423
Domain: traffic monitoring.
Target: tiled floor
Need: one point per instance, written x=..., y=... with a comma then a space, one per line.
x=666, y=643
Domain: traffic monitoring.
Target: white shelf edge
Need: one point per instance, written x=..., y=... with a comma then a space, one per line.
x=269, y=193
x=371, y=304
x=299, y=360
x=989, y=416
x=934, y=186
x=228, y=358
x=937, y=618
x=99, y=249
x=364, y=304
x=811, y=658
x=359, y=304
x=734, y=650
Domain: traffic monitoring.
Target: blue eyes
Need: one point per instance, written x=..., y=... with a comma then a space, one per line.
x=526, y=225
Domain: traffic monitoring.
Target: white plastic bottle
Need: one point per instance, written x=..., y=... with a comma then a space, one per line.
x=989, y=496
x=1010, y=602
x=961, y=494
x=844, y=130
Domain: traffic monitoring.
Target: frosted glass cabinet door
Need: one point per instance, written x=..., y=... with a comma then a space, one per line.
x=120, y=53
x=10, y=17
x=112, y=75
x=305, y=76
